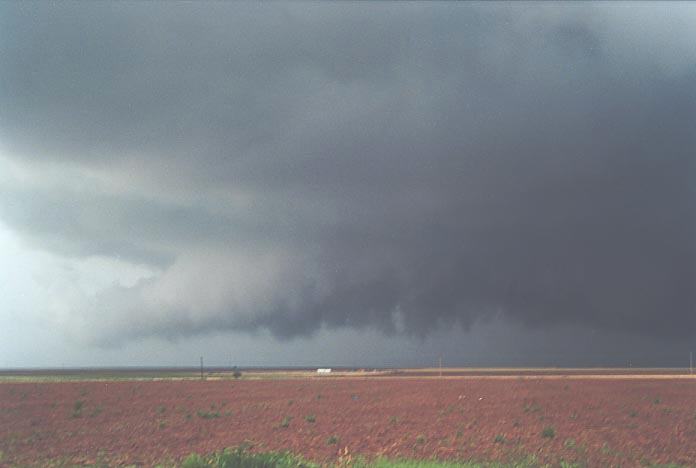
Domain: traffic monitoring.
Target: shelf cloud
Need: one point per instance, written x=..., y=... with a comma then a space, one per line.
x=393, y=167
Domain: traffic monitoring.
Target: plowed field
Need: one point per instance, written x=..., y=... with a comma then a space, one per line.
x=595, y=421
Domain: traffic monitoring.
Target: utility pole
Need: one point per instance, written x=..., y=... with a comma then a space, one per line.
x=201, y=367
x=691, y=362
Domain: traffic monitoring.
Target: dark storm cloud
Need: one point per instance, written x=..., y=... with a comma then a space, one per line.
x=402, y=167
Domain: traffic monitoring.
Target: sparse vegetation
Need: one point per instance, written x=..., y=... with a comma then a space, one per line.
x=208, y=414
x=239, y=457
x=77, y=408
x=96, y=411
x=532, y=408
x=449, y=422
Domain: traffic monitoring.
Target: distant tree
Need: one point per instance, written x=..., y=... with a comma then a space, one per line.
x=236, y=373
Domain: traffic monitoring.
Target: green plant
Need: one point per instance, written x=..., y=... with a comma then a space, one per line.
x=332, y=440
x=310, y=418
x=499, y=439
x=77, y=408
x=240, y=457
x=569, y=443
x=532, y=408
x=161, y=409
x=208, y=414
x=194, y=461
x=96, y=411
x=549, y=432
x=286, y=421
x=420, y=439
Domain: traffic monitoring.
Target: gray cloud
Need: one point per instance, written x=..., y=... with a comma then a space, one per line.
x=398, y=167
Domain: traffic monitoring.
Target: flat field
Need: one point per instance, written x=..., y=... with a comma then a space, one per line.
x=595, y=420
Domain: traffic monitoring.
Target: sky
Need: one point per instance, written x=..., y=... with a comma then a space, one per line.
x=347, y=184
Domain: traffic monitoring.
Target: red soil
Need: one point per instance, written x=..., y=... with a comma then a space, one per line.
x=597, y=422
